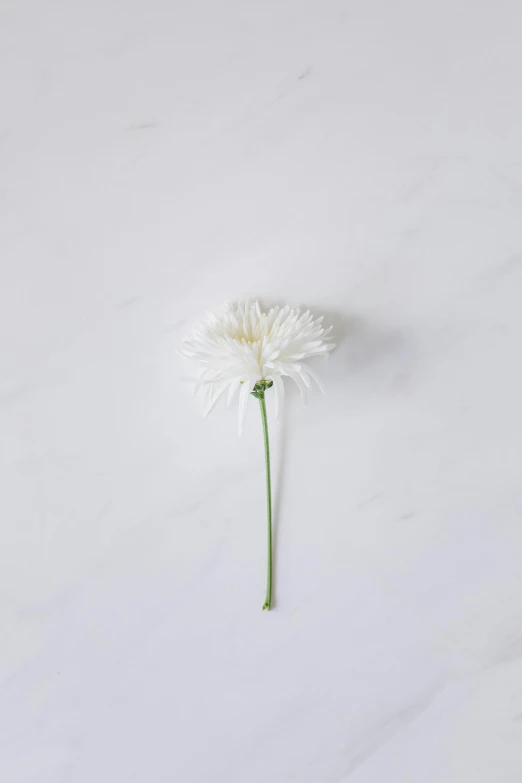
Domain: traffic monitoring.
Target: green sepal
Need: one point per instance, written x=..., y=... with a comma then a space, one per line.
x=260, y=388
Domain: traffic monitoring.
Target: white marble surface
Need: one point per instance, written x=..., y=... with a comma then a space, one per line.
x=363, y=159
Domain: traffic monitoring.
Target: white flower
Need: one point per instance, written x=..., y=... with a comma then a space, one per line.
x=241, y=345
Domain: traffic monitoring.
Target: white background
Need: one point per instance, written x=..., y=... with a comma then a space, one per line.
x=159, y=157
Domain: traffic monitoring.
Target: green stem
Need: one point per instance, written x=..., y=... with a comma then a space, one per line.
x=268, y=600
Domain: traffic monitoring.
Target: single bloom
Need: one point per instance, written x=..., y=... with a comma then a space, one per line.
x=240, y=346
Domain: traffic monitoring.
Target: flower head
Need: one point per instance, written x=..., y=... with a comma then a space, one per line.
x=241, y=345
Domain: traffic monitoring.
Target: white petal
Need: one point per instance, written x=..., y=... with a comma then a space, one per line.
x=207, y=398
x=299, y=381
x=214, y=398
x=244, y=394
x=279, y=394
x=315, y=376
x=232, y=390
x=301, y=370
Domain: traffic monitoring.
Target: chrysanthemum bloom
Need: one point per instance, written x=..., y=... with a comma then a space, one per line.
x=243, y=348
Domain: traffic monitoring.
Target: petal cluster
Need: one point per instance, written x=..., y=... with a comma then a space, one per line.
x=240, y=345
